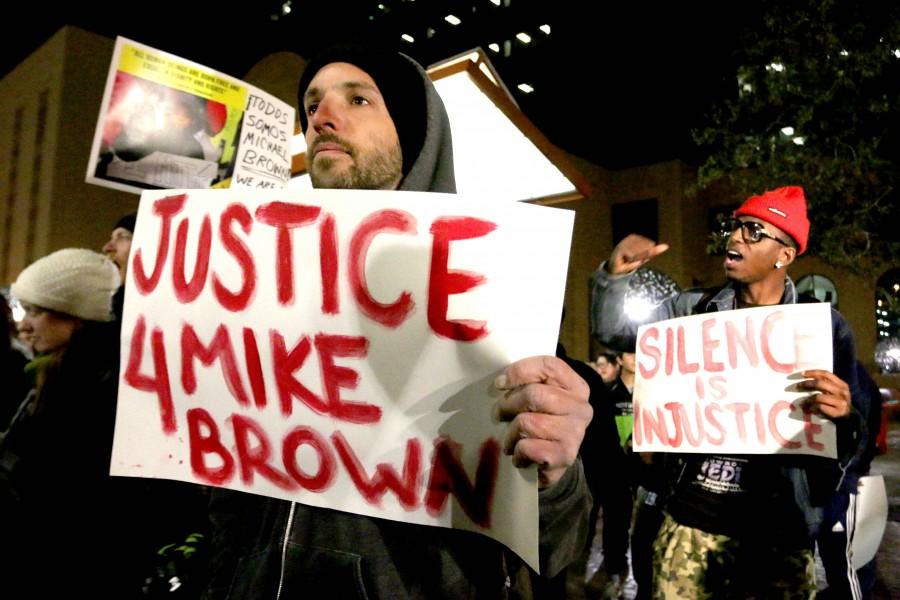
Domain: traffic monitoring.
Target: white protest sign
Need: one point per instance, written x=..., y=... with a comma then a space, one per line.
x=727, y=382
x=264, y=154
x=337, y=348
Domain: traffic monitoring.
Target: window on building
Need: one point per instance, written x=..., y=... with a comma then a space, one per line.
x=817, y=288
x=887, y=322
x=638, y=216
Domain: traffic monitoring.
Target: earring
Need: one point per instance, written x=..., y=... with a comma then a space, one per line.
x=778, y=264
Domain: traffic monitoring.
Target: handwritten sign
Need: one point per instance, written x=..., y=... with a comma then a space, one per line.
x=337, y=348
x=166, y=122
x=264, y=155
x=727, y=382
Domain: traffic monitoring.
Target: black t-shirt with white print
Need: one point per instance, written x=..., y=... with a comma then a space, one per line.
x=742, y=496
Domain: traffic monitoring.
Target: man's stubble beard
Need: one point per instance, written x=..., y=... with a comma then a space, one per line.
x=371, y=171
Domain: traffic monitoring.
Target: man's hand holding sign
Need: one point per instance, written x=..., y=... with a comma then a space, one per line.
x=548, y=409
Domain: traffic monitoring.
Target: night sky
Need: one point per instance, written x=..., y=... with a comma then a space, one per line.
x=618, y=85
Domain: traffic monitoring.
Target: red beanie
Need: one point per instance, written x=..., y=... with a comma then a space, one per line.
x=785, y=208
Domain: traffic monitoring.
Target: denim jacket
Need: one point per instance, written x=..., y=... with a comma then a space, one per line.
x=813, y=478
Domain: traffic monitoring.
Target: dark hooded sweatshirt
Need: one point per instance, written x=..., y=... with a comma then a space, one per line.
x=269, y=548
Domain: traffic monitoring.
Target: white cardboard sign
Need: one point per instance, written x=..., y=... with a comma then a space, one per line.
x=727, y=382
x=337, y=348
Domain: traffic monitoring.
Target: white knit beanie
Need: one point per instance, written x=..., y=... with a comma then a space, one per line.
x=74, y=281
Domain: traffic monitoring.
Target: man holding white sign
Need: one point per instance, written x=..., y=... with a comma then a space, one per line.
x=374, y=121
x=737, y=525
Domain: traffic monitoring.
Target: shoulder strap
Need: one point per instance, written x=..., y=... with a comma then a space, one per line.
x=702, y=305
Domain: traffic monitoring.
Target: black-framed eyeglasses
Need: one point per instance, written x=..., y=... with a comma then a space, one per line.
x=751, y=231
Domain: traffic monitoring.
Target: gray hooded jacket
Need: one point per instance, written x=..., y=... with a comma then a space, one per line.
x=268, y=548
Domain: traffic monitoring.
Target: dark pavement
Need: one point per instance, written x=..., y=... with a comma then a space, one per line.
x=887, y=560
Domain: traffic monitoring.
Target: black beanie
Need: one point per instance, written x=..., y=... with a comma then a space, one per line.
x=399, y=81
x=126, y=222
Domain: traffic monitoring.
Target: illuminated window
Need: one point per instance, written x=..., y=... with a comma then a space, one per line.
x=817, y=288
x=887, y=322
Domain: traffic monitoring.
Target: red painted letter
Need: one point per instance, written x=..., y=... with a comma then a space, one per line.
x=776, y=408
x=187, y=291
x=304, y=435
x=734, y=338
x=285, y=216
x=709, y=344
x=220, y=348
x=810, y=429
x=334, y=377
x=708, y=412
x=385, y=477
x=448, y=476
x=254, y=368
x=389, y=315
x=159, y=381
x=328, y=265
x=166, y=208
x=256, y=457
x=650, y=351
x=236, y=301
x=285, y=364
x=684, y=366
x=442, y=283
x=207, y=444
x=739, y=409
x=766, y=335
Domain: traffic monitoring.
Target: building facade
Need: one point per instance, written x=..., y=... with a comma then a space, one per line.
x=48, y=112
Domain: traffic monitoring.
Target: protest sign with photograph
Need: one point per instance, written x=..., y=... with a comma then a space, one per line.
x=167, y=122
x=338, y=348
x=726, y=382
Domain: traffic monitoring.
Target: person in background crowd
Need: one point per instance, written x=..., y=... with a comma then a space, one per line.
x=622, y=389
x=181, y=544
x=69, y=528
x=644, y=474
x=754, y=536
x=57, y=497
x=373, y=120
x=12, y=368
x=607, y=477
x=607, y=365
x=117, y=249
x=840, y=519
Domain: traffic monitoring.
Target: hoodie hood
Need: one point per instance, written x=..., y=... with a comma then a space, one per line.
x=414, y=105
x=432, y=170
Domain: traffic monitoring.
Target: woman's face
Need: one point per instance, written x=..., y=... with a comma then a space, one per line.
x=608, y=371
x=50, y=331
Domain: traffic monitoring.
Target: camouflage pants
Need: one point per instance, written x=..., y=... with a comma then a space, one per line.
x=692, y=564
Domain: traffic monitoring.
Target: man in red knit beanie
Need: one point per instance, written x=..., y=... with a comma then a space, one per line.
x=742, y=526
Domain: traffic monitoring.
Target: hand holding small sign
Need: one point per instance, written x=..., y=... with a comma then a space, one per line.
x=547, y=405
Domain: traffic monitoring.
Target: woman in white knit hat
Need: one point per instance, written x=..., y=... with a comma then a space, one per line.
x=61, y=292
x=56, y=496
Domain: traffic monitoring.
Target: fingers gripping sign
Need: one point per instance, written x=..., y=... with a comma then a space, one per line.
x=546, y=404
x=833, y=399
